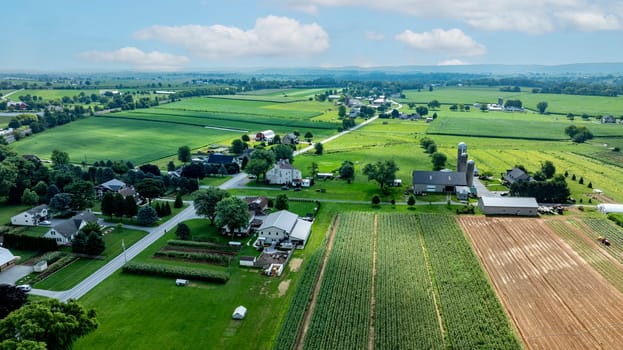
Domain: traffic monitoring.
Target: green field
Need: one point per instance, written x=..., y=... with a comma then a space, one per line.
x=515, y=125
x=557, y=103
x=138, y=141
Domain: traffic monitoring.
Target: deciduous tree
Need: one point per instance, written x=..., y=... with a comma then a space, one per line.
x=11, y=298
x=383, y=172
x=206, y=202
x=146, y=216
x=347, y=171
x=233, y=213
x=439, y=160
x=281, y=202
x=183, y=154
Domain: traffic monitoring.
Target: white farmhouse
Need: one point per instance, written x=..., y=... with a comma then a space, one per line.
x=31, y=217
x=64, y=232
x=283, y=173
x=284, y=226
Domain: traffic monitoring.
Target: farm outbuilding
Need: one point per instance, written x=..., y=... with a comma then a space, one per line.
x=610, y=208
x=266, y=135
x=239, y=313
x=518, y=206
x=7, y=259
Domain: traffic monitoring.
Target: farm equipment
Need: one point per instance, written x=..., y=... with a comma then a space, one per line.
x=604, y=241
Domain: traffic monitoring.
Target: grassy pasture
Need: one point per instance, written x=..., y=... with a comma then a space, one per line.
x=288, y=92
x=139, y=141
x=53, y=94
x=515, y=125
x=557, y=103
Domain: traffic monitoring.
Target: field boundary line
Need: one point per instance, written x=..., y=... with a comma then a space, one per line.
x=312, y=304
x=372, y=327
x=433, y=286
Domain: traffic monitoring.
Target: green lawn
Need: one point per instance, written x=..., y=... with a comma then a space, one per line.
x=7, y=211
x=82, y=268
x=214, y=180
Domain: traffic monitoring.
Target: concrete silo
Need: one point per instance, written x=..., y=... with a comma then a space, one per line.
x=462, y=148
x=469, y=172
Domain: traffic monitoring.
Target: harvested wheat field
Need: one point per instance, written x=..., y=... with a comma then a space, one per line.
x=554, y=298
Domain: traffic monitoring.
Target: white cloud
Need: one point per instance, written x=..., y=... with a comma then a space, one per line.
x=271, y=36
x=370, y=35
x=590, y=21
x=528, y=16
x=449, y=42
x=146, y=61
x=452, y=62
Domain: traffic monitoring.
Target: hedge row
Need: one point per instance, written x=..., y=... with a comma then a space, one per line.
x=175, y=272
x=195, y=256
x=208, y=245
x=23, y=242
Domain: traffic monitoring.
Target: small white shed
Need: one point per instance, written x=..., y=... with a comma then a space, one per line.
x=239, y=313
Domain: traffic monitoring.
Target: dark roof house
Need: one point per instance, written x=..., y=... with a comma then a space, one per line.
x=516, y=175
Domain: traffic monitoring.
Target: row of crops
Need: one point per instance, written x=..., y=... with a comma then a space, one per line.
x=405, y=312
x=293, y=320
x=472, y=315
x=581, y=244
x=341, y=317
x=612, y=232
x=429, y=289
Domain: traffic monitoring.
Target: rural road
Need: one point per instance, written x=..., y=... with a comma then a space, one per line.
x=115, y=264
x=10, y=93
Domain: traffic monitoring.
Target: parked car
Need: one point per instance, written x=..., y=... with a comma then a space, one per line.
x=24, y=287
x=45, y=223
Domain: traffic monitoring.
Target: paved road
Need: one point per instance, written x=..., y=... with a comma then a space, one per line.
x=115, y=264
x=11, y=93
x=329, y=139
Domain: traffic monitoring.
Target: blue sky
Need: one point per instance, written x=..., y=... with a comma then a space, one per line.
x=110, y=35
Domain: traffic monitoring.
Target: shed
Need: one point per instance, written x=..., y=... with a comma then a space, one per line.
x=239, y=313
x=610, y=208
x=40, y=266
x=519, y=206
x=247, y=260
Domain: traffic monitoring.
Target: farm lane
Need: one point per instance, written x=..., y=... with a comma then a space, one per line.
x=329, y=139
x=11, y=93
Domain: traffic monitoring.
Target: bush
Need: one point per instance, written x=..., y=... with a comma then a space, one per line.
x=616, y=218
x=175, y=272
x=51, y=257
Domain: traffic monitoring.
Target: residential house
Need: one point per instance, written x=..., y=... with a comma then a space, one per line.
x=220, y=159
x=31, y=217
x=290, y=139
x=354, y=112
x=115, y=186
x=257, y=210
x=266, y=136
x=16, y=105
x=608, y=119
x=284, y=227
x=353, y=102
x=283, y=173
x=64, y=232
x=516, y=175
x=7, y=259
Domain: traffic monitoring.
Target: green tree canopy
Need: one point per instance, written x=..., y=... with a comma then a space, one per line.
x=281, y=202
x=284, y=152
x=59, y=158
x=319, y=148
x=150, y=188
x=49, y=321
x=383, y=172
x=183, y=154
x=182, y=232
x=439, y=160
x=548, y=169
x=347, y=171
x=541, y=106
x=146, y=216
x=206, y=202
x=11, y=298
x=233, y=213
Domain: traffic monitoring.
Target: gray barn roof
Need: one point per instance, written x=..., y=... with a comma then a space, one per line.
x=113, y=185
x=446, y=178
x=282, y=219
x=71, y=226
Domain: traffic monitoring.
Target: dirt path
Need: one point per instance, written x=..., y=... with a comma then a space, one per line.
x=312, y=303
x=371, y=331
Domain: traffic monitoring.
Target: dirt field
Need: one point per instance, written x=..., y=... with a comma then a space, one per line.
x=555, y=299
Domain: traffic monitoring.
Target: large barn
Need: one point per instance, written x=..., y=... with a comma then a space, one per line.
x=518, y=206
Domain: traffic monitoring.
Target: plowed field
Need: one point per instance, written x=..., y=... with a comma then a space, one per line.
x=555, y=299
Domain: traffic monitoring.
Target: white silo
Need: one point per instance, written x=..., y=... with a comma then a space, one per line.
x=462, y=163
x=462, y=148
x=469, y=172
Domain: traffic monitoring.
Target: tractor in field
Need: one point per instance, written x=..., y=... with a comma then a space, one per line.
x=604, y=241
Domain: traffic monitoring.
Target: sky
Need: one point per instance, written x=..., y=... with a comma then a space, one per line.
x=192, y=35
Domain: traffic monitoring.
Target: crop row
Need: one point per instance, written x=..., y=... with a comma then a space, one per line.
x=341, y=318
x=213, y=258
x=293, y=320
x=175, y=272
x=588, y=252
x=405, y=312
x=472, y=315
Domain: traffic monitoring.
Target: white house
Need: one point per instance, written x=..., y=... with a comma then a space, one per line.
x=283, y=173
x=239, y=313
x=284, y=226
x=7, y=259
x=31, y=217
x=64, y=232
